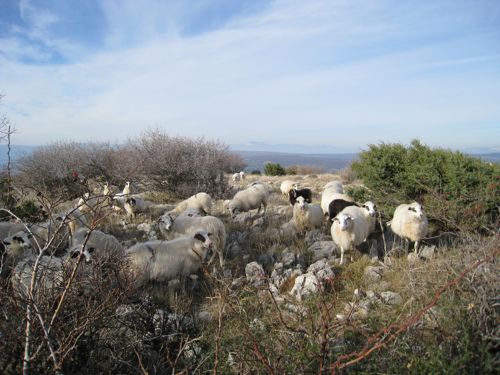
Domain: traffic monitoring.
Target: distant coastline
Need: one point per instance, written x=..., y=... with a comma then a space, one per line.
x=256, y=160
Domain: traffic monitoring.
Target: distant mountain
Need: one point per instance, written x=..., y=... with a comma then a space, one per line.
x=327, y=162
x=288, y=148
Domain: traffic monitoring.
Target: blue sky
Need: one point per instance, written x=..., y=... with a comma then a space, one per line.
x=337, y=73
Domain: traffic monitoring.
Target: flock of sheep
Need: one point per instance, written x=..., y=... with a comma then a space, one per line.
x=190, y=236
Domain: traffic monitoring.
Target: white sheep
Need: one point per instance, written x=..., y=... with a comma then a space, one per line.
x=166, y=260
x=8, y=228
x=349, y=229
x=236, y=177
x=329, y=195
x=49, y=275
x=75, y=219
x=88, y=204
x=98, y=244
x=109, y=190
x=335, y=185
x=201, y=201
x=410, y=222
x=127, y=189
x=171, y=228
x=307, y=216
x=16, y=247
x=135, y=204
x=286, y=186
x=253, y=197
x=242, y=175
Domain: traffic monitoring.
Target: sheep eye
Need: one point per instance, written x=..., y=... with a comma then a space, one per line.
x=75, y=254
x=200, y=237
x=91, y=249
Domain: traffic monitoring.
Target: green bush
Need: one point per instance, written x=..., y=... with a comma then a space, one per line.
x=256, y=172
x=274, y=169
x=460, y=192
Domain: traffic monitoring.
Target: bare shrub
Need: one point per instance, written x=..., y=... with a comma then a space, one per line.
x=180, y=166
x=184, y=166
x=348, y=175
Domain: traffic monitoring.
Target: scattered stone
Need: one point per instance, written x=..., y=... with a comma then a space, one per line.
x=427, y=252
x=374, y=273
x=238, y=283
x=391, y=298
x=288, y=258
x=257, y=325
x=144, y=227
x=244, y=218
x=381, y=286
x=305, y=285
x=323, y=250
x=205, y=316
x=259, y=223
x=255, y=274
x=316, y=235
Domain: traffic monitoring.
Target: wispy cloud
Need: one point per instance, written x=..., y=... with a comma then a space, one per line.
x=345, y=73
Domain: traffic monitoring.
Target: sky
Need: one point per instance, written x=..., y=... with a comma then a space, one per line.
x=333, y=74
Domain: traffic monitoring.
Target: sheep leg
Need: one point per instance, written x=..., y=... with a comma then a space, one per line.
x=341, y=255
x=416, y=247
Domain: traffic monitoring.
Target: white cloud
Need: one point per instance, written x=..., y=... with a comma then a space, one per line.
x=300, y=72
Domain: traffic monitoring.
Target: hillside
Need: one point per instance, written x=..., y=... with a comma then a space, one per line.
x=282, y=301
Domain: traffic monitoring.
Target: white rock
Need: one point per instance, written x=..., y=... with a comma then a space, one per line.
x=255, y=274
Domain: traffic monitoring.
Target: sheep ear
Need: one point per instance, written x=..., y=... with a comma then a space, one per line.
x=200, y=237
x=74, y=254
x=335, y=219
x=91, y=250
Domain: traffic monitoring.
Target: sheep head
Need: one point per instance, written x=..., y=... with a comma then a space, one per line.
x=203, y=245
x=417, y=209
x=371, y=208
x=166, y=221
x=345, y=221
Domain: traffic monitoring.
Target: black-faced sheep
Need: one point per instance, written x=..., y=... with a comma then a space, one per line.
x=293, y=194
x=410, y=222
x=166, y=260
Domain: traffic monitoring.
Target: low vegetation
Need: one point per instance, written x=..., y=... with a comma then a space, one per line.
x=395, y=314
